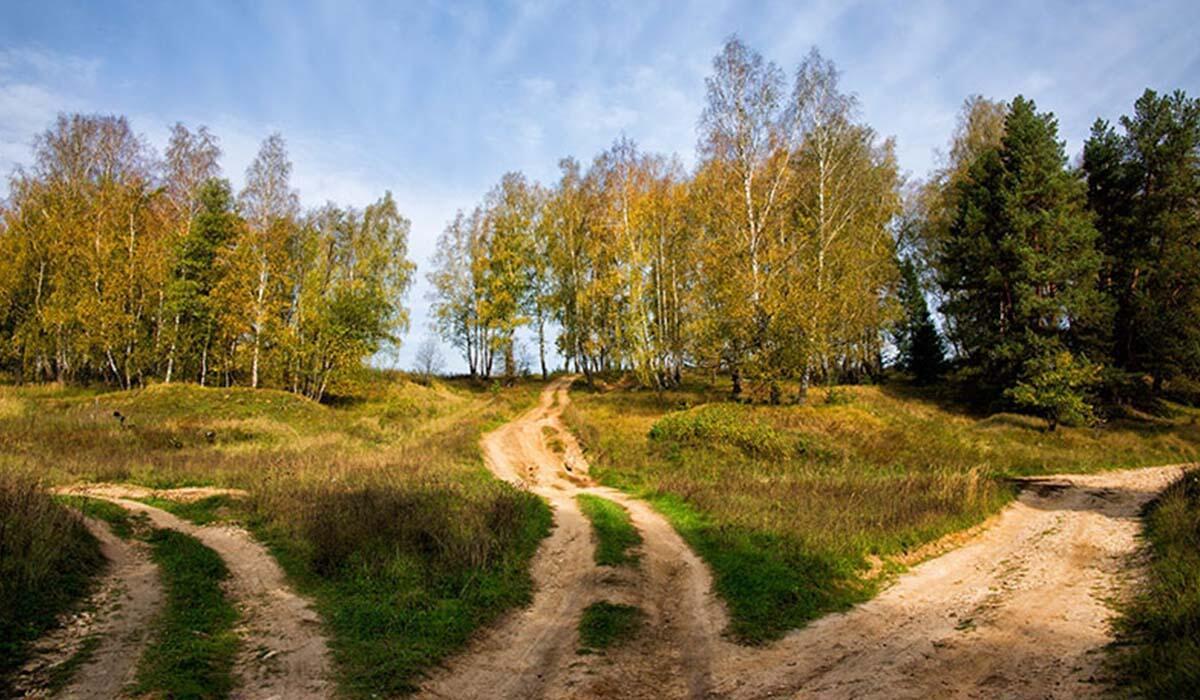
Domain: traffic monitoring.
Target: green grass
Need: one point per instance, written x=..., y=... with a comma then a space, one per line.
x=615, y=533
x=790, y=505
x=377, y=503
x=605, y=625
x=48, y=564
x=1163, y=623
x=191, y=655
x=202, y=511
x=409, y=579
x=122, y=523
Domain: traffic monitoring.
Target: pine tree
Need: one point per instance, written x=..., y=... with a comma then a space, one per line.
x=1143, y=186
x=919, y=345
x=1020, y=264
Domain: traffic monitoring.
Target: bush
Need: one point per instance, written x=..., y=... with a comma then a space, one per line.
x=1056, y=387
x=47, y=561
x=720, y=424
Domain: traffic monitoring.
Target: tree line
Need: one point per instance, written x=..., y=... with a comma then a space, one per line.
x=121, y=266
x=795, y=252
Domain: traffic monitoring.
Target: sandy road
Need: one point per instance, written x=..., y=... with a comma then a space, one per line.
x=283, y=652
x=533, y=653
x=1020, y=610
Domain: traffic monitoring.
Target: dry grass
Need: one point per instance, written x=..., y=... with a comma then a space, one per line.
x=788, y=502
x=47, y=561
x=377, y=504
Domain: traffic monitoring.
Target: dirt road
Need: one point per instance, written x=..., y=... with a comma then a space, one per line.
x=283, y=653
x=533, y=653
x=1019, y=610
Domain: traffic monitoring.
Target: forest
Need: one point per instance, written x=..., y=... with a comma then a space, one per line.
x=795, y=252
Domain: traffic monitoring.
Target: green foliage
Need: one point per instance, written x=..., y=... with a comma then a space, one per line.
x=48, y=561
x=1143, y=185
x=1019, y=267
x=920, y=347
x=191, y=656
x=1056, y=386
x=1163, y=622
x=615, y=533
x=605, y=625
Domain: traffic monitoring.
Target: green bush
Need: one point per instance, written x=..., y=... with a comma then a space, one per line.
x=722, y=424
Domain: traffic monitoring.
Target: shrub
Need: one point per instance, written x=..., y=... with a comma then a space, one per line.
x=721, y=424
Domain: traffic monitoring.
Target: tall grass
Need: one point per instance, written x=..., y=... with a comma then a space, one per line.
x=1163, y=621
x=790, y=504
x=377, y=503
x=47, y=562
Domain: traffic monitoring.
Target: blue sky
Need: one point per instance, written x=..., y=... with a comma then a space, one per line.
x=435, y=100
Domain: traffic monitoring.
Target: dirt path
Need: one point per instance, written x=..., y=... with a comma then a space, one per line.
x=283, y=653
x=128, y=596
x=533, y=653
x=1019, y=610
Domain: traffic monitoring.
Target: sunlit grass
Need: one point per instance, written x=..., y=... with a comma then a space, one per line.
x=377, y=503
x=787, y=503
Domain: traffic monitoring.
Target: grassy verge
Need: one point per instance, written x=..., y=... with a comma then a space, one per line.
x=48, y=562
x=192, y=653
x=615, y=533
x=1163, y=622
x=605, y=625
x=791, y=505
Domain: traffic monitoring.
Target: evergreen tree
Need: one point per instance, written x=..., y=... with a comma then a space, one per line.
x=1020, y=264
x=1143, y=186
x=921, y=349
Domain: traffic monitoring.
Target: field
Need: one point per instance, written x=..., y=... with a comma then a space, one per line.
x=802, y=510
x=377, y=505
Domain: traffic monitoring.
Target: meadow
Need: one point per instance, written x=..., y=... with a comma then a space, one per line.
x=376, y=503
x=805, y=509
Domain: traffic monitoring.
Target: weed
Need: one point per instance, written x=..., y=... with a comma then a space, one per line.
x=1163, y=622
x=786, y=503
x=48, y=562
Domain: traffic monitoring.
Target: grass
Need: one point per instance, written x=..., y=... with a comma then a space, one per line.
x=201, y=511
x=48, y=562
x=377, y=503
x=615, y=533
x=790, y=505
x=1163, y=621
x=605, y=625
x=192, y=653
